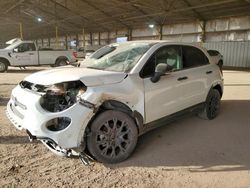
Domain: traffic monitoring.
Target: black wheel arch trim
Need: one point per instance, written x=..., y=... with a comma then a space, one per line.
x=119, y=106
x=217, y=87
x=62, y=58
x=4, y=60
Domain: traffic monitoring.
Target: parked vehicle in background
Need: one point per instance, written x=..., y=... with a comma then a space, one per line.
x=25, y=53
x=84, y=52
x=120, y=92
x=216, y=57
x=81, y=53
x=89, y=53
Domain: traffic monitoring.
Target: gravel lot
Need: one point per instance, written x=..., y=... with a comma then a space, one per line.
x=187, y=153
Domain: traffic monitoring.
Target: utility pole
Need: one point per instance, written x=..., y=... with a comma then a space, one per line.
x=21, y=30
x=57, y=36
x=203, y=31
x=83, y=38
x=160, y=32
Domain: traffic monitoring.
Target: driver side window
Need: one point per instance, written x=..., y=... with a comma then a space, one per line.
x=170, y=55
x=25, y=47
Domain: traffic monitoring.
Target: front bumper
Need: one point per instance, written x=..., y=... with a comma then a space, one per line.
x=25, y=112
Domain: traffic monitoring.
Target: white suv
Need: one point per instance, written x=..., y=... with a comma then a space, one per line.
x=119, y=93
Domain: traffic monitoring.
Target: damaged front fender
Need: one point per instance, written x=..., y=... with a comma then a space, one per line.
x=88, y=105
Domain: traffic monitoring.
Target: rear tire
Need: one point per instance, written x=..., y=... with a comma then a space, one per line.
x=3, y=66
x=61, y=62
x=212, y=105
x=113, y=137
x=220, y=64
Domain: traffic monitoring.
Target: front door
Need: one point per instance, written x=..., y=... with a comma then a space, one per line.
x=25, y=54
x=163, y=97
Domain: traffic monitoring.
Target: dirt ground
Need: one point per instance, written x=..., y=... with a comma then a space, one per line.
x=187, y=153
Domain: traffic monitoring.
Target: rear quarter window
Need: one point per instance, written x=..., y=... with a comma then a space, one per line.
x=193, y=57
x=213, y=52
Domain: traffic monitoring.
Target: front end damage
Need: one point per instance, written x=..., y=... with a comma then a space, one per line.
x=57, y=115
x=56, y=149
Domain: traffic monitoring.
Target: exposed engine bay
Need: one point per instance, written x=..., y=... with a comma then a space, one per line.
x=57, y=97
x=61, y=96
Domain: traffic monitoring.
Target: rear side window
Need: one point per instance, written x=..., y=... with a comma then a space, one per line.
x=193, y=57
x=213, y=52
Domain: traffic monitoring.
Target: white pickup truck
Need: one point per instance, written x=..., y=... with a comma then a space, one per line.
x=21, y=53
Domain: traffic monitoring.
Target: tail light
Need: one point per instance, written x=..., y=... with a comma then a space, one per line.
x=220, y=64
x=75, y=54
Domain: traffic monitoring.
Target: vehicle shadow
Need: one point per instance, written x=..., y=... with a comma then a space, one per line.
x=16, y=140
x=222, y=144
x=247, y=85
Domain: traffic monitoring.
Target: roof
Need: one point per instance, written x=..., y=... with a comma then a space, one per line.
x=106, y=15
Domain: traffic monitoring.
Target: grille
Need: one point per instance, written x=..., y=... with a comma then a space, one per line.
x=16, y=112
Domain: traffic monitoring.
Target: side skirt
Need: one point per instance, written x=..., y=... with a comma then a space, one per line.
x=173, y=117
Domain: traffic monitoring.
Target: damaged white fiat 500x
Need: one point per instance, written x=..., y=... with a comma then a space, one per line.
x=120, y=92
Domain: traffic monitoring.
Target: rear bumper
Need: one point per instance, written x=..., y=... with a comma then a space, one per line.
x=25, y=113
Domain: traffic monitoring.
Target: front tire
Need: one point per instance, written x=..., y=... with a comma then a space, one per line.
x=212, y=105
x=3, y=66
x=113, y=137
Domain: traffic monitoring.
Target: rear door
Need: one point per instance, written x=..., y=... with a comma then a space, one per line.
x=196, y=73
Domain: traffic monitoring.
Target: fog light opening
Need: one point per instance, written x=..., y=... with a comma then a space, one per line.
x=58, y=124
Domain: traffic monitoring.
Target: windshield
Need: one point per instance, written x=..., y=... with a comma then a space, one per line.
x=11, y=46
x=117, y=57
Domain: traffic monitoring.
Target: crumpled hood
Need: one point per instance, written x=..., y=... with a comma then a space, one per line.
x=90, y=77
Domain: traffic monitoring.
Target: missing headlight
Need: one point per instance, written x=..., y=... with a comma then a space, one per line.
x=59, y=97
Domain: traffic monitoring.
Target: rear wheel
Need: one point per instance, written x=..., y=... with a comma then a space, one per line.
x=61, y=62
x=113, y=137
x=3, y=66
x=212, y=105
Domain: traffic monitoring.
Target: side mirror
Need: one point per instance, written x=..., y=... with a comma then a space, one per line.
x=15, y=50
x=160, y=70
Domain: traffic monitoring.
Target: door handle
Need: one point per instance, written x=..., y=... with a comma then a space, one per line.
x=182, y=78
x=209, y=72
x=31, y=53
